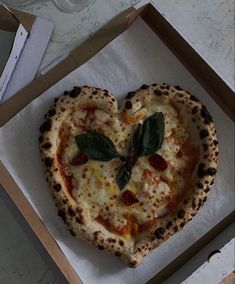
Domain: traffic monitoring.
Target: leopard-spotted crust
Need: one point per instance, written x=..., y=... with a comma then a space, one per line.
x=202, y=129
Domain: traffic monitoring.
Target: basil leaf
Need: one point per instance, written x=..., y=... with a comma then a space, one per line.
x=148, y=138
x=97, y=146
x=135, y=142
x=124, y=175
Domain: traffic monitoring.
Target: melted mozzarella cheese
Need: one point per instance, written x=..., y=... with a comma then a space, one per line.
x=95, y=186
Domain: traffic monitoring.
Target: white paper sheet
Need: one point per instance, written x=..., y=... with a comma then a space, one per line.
x=135, y=57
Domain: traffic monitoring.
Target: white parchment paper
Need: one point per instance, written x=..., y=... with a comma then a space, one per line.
x=135, y=57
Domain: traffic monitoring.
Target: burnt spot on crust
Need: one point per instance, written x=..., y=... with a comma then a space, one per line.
x=128, y=105
x=117, y=253
x=51, y=112
x=72, y=233
x=75, y=92
x=159, y=232
x=71, y=212
x=205, y=146
x=46, y=145
x=111, y=240
x=215, y=142
x=181, y=214
x=57, y=187
x=46, y=126
x=133, y=263
x=199, y=185
x=94, y=92
x=205, y=114
x=203, y=133
x=211, y=171
x=201, y=170
x=62, y=214
x=100, y=247
x=144, y=87
x=193, y=98
x=169, y=224
x=194, y=110
x=178, y=88
x=121, y=243
x=158, y=92
x=56, y=100
x=130, y=95
x=48, y=162
x=78, y=220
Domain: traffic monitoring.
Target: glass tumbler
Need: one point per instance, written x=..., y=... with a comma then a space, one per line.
x=72, y=6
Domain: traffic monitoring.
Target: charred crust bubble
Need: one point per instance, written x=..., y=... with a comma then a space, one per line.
x=158, y=92
x=46, y=145
x=51, y=112
x=128, y=105
x=62, y=214
x=48, y=162
x=178, y=88
x=121, y=243
x=205, y=146
x=117, y=253
x=205, y=114
x=100, y=247
x=78, y=220
x=199, y=185
x=201, y=170
x=181, y=214
x=159, y=232
x=57, y=187
x=215, y=142
x=169, y=224
x=40, y=138
x=94, y=92
x=193, y=98
x=211, y=171
x=71, y=212
x=72, y=233
x=130, y=95
x=144, y=87
x=133, y=263
x=75, y=92
x=194, y=110
x=46, y=126
x=203, y=133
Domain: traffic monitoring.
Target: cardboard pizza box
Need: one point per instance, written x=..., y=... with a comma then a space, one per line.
x=214, y=85
x=23, y=42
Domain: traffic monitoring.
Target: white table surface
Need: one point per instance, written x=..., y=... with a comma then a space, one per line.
x=209, y=27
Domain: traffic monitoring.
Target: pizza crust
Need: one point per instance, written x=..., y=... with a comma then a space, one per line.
x=202, y=129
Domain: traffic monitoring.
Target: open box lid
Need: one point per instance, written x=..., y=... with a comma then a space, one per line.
x=76, y=58
x=13, y=34
x=23, y=41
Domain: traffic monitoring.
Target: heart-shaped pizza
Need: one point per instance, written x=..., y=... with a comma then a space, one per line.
x=127, y=179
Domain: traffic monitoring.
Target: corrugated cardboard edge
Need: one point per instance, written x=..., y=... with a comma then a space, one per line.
x=25, y=19
x=7, y=21
x=77, y=57
x=12, y=23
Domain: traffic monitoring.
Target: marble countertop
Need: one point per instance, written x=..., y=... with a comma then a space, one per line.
x=208, y=25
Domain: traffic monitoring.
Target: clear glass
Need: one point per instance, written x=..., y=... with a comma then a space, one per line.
x=72, y=6
x=16, y=2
